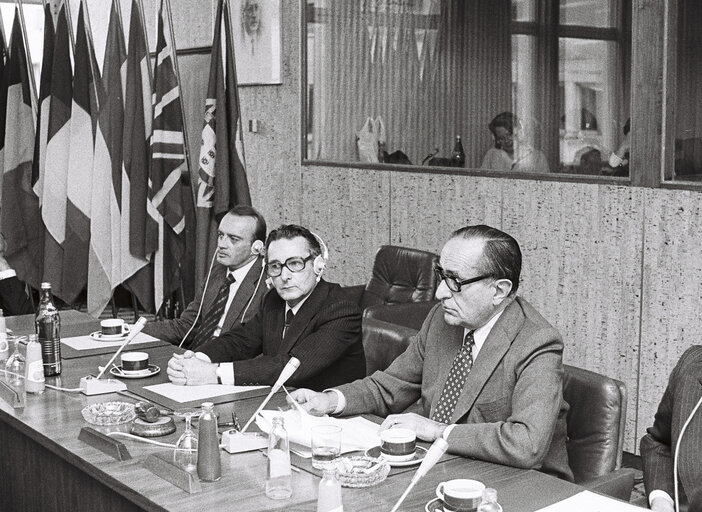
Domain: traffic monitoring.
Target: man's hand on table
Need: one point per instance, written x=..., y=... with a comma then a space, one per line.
x=317, y=404
x=426, y=429
x=188, y=370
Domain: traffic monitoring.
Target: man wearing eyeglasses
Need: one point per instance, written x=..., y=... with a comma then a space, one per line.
x=485, y=371
x=305, y=317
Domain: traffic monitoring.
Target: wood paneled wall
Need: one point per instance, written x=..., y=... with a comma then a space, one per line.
x=616, y=269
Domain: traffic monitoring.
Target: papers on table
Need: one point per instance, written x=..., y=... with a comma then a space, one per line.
x=356, y=433
x=183, y=394
x=592, y=502
x=88, y=343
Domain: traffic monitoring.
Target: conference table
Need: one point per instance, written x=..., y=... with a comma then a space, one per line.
x=44, y=466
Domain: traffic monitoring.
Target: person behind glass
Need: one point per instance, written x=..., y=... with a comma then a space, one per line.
x=511, y=151
x=234, y=289
x=13, y=292
x=304, y=316
x=619, y=160
x=484, y=372
x=658, y=445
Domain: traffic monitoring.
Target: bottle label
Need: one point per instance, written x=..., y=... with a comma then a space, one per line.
x=35, y=376
x=279, y=463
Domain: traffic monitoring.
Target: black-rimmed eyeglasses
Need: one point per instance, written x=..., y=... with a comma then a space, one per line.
x=453, y=283
x=294, y=264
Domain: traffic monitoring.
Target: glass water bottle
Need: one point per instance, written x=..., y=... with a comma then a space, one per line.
x=489, y=503
x=329, y=497
x=279, y=479
x=48, y=324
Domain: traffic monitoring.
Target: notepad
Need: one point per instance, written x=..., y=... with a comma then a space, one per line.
x=88, y=343
x=182, y=394
x=591, y=502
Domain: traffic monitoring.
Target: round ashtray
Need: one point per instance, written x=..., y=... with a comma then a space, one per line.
x=109, y=413
x=361, y=471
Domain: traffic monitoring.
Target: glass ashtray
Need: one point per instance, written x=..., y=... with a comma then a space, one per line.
x=361, y=471
x=109, y=413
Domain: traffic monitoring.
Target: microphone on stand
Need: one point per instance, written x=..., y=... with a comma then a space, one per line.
x=291, y=367
x=436, y=450
x=93, y=385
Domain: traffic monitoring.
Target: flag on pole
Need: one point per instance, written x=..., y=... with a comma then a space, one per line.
x=222, y=179
x=168, y=163
x=20, y=216
x=3, y=100
x=44, y=102
x=139, y=226
x=53, y=202
x=80, y=164
x=104, y=259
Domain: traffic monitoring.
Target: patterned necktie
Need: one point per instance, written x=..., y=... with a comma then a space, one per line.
x=212, y=317
x=288, y=320
x=462, y=364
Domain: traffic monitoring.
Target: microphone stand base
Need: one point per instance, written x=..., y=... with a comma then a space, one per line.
x=91, y=386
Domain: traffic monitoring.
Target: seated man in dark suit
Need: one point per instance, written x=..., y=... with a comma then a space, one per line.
x=485, y=371
x=233, y=291
x=13, y=294
x=305, y=317
x=658, y=445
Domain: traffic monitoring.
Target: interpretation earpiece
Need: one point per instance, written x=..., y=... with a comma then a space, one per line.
x=320, y=262
x=269, y=282
x=257, y=248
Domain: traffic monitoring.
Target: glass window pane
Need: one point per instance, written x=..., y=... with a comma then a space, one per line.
x=589, y=13
x=524, y=10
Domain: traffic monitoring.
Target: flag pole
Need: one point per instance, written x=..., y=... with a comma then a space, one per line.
x=2, y=31
x=140, y=4
x=91, y=50
x=30, y=66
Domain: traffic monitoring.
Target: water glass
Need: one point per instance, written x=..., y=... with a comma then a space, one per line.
x=185, y=453
x=326, y=445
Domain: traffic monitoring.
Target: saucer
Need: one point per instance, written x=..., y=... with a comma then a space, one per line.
x=418, y=457
x=137, y=374
x=99, y=336
x=434, y=505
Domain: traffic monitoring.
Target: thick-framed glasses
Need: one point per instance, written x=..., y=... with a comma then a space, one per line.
x=294, y=264
x=453, y=283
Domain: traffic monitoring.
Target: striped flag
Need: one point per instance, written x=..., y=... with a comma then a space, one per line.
x=21, y=219
x=222, y=179
x=80, y=164
x=104, y=259
x=139, y=226
x=42, y=129
x=57, y=151
x=168, y=164
x=3, y=100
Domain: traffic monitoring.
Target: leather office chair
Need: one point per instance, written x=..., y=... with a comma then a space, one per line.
x=595, y=425
x=400, y=275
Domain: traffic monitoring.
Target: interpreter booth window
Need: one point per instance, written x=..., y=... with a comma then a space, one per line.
x=687, y=106
x=529, y=86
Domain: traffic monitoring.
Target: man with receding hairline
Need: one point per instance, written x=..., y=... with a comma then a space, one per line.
x=484, y=372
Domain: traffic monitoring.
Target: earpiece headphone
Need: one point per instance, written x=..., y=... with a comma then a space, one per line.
x=320, y=262
x=258, y=248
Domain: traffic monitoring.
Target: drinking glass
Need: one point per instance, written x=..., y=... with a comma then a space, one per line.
x=185, y=454
x=326, y=445
x=15, y=364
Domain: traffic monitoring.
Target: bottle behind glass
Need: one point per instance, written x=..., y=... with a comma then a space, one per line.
x=35, y=366
x=209, y=464
x=489, y=503
x=4, y=345
x=48, y=325
x=458, y=157
x=279, y=479
x=329, y=497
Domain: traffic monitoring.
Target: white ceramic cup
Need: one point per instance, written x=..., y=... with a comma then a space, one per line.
x=114, y=328
x=398, y=444
x=460, y=495
x=135, y=361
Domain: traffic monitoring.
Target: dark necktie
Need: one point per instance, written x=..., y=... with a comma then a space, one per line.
x=462, y=364
x=212, y=317
x=288, y=320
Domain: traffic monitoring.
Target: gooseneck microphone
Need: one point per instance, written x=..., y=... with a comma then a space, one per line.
x=434, y=453
x=291, y=367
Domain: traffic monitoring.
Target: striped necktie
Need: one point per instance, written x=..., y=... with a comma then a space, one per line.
x=212, y=317
x=462, y=364
x=288, y=320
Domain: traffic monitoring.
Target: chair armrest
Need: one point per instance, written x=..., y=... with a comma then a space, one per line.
x=383, y=342
x=617, y=484
x=409, y=314
x=354, y=293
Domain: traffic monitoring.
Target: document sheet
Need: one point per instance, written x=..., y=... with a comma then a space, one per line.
x=182, y=394
x=592, y=502
x=90, y=343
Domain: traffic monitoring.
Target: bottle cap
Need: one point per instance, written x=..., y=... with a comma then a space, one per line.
x=34, y=338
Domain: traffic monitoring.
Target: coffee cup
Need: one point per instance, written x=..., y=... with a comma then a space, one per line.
x=398, y=444
x=135, y=361
x=460, y=495
x=114, y=327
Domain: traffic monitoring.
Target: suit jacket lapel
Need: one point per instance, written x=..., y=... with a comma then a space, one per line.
x=242, y=295
x=216, y=279
x=304, y=315
x=493, y=350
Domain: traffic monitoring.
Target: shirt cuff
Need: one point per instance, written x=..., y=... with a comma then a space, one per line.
x=447, y=431
x=340, y=401
x=657, y=493
x=7, y=274
x=225, y=373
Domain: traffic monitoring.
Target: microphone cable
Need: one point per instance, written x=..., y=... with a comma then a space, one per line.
x=202, y=300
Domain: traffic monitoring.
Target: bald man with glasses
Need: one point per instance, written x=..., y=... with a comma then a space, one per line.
x=303, y=316
x=484, y=372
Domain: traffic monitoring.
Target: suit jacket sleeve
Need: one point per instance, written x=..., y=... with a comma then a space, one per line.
x=14, y=298
x=655, y=446
x=173, y=330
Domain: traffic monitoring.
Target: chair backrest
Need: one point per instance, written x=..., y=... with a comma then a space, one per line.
x=400, y=274
x=383, y=342
x=595, y=422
